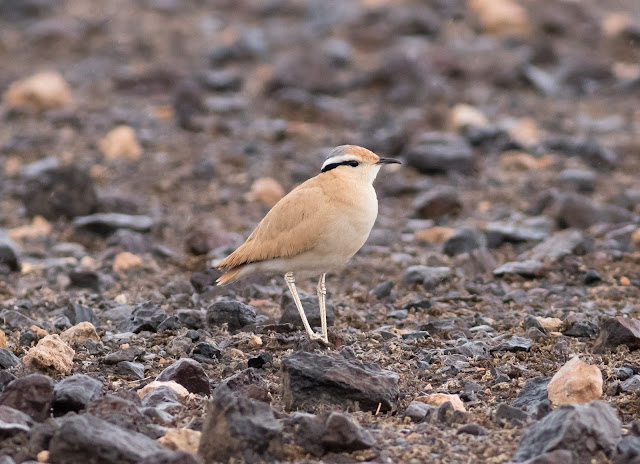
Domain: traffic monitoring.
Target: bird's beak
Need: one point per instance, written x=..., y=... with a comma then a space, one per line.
x=388, y=161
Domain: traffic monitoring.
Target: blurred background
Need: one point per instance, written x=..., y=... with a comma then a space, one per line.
x=194, y=117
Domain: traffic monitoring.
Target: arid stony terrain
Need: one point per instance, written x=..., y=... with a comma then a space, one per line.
x=493, y=315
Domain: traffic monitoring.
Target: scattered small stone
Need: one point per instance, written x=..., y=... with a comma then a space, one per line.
x=581, y=180
x=584, y=429
x=266, y=190
x=172, y=323
x=85, y=279
x=130, y=370
x=145, y=316
x=552, y=324
x=462, y=117
x=436, y=152
x=233, y=313
x=501, y=17
x=437, y=202
x=419, y=411
x=13, y=421
x=464, y=241
x=3, y=341
x=575, y=382
x=473, y=429
x=124, y=354
x=513, y=344
x=206, y=353
x=43, y=91
x=631, y=385
x=77, y=334
x=311, y=380
x=107, y=223
x=505, y=413
x=618, y=331
x=435, y=234
x=188, y=373
x=382, y=290
x=181, y=439
x=528, y=268
x=87, y=438
x=260, y=361
x=557, y=246
x=32, y=395
x=74, y=393
x=436, y=399
x=341, y=433
x=121, y=142
x=583, y=329
x=125, y=260
x=9, y=255
x=248, y=383
x=50, y=354
x=179, y=389
x=236, y=427
x=8, y=359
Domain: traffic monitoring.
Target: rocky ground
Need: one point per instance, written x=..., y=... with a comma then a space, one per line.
x=142, y=141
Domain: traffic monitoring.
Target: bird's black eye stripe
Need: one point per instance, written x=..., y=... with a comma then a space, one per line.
x=329, y=167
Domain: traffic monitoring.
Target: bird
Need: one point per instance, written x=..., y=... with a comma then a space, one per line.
x=314, y=229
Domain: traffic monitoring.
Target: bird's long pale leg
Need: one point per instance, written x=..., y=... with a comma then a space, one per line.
x=290, y=279
x=322, y=297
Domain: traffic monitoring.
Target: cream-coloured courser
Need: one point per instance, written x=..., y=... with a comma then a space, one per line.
x=317, y=227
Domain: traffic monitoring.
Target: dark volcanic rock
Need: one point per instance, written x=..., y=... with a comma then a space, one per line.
x=528, y=268
x=189, y=374
x=85, y=279
x=437, y=202
x=145, y=316
x=75, y=392
x=618, y=331
x=78, y=313
x=241, y=428
x=557, y=246
x=9, y=255
x=505, y=413
x=513, y=344
x=248, y=383
x=583, y=329
x=425, y=275
x=312, y=379
x=107, y=223
x=122, y=413
x=464, y=241
x=206, y=352
x=130, y=370
x=125, y=354
x=334, y=432
x=440, y=152
x=8, y=359
x=32, y=395
x=418, y=411
x=574, y=210
x=233, y=313
x=583, y=429
x=311, y=308
x=65, y=192
x=13, y=421
x=87, y=438
x=167, y=456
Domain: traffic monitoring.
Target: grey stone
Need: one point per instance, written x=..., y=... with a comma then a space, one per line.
x=87, y=438
x=13, y=421
x=631, y=385
x=425, y=274
x=582, y=180
x=189, y=374
x=145, y=316
x=618, y=331
x=437, y=202
x=9, y=254
x=464, y=241
x=239, y=428
x=311, y=380
x=32, y=395
x=107, y=223
x=436, y=152
x=513, y=344
x=583, y=429
x=130, y=370
x=8, y=359
x=75, y=392
x=124, y=354
x=528, y=268
x=583, y=329
x=418, y=411
x=505, y=413
x=557, y=246
x=233, y=313
x=382, y=290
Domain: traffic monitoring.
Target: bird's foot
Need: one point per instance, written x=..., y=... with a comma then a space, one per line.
x=319, y=338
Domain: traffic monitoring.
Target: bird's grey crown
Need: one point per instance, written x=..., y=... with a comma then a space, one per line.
x=338, y=151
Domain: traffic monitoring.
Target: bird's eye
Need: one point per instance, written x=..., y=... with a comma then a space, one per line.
x=352, y=163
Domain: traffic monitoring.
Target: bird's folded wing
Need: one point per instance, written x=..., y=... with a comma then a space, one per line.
x=291, y=227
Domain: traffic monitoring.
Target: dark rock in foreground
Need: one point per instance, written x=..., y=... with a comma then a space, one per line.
x=311, y=308
x=583, y=429
x=312, y=379
x=32, y=395
x=106, y=223
x=87, y=438
x=75, y=392
x=241, y=428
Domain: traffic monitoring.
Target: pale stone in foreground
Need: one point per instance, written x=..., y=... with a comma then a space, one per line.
x=79, y=333
x=51, y=353
x=575, y=382
x=175, y=386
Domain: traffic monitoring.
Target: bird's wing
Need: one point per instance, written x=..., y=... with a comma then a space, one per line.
x=291, y=227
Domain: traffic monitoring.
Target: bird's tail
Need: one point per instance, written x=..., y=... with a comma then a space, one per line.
x=230, y=276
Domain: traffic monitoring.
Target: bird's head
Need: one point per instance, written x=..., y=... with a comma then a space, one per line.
x=355, y=162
